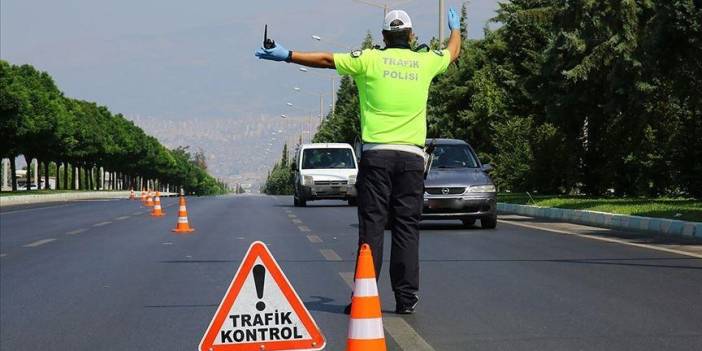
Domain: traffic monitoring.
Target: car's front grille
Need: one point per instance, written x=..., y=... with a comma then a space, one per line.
x=331, y=182
x=466, y=209
x=445, y=191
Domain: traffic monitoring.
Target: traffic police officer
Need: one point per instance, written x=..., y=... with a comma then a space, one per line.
x=393, y=86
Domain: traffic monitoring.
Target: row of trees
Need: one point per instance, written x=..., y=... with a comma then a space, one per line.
x=586, y=97
x=39, y=122
x=280, y=179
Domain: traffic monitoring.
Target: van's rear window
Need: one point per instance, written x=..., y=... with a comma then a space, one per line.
x=328, y=159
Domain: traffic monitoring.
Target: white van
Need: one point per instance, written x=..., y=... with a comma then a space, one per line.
x=325, y=171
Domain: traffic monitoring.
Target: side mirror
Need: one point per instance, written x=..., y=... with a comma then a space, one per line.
x=488, y=167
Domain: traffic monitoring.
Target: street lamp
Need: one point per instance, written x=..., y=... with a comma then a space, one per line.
x=385, y=6
x=307, y=125
x=335, y=43
x=442, y=20
x=321, y=102
x=284, y=116
x=321, y=98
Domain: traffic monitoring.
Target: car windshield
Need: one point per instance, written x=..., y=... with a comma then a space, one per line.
x=453, y=156
x=340, y=158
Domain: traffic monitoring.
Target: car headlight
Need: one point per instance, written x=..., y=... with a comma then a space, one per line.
x=352, y=179
x=307, y=180
x=482, y=189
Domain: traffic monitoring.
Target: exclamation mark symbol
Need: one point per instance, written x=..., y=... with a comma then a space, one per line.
x=259, y=274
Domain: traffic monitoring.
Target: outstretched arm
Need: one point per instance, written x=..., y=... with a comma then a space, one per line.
x=309, y=59
x=314, y=59
x=454, y=43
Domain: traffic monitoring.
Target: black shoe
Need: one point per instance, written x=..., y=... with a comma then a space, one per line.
x=347, y=309
x=407, y=308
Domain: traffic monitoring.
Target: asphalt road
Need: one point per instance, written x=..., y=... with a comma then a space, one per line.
x=104, y=275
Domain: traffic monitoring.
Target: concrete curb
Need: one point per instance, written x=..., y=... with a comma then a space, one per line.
x=658, y=226
x=62, y=197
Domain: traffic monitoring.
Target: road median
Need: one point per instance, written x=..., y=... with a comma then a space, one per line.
x=648, y=225
x=27, y=199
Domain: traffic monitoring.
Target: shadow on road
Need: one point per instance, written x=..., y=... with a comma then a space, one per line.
x=438, y=226
x=239, y=261
x=182, y=306
x=313, y=206
x=446, y=226
x=323, y=304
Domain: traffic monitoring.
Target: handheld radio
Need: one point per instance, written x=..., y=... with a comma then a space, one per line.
x=429, y=150
x=267, y=43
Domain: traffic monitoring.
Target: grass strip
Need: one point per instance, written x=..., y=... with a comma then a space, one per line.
x=670, y=208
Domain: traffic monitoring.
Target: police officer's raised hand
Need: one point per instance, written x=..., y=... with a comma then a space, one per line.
x=454, y=20
x=277, y=53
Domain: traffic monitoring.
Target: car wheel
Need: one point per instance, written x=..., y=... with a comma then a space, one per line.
x=299, y=201
x=352, y=201
x=468, y=222
x=489, y=222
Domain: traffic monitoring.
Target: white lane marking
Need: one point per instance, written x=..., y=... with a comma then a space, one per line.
x=609, y=240
x=77, y=231
x=292, y=216
x=348, y=278
x=297, y=221
x=404, y=335
x=314, y=239
x=3, y=255
x=137, y=213
x=40, y=242
x=167, y=243
x=330, y=255
x=288, y=211
x=101, y=224
x=121, y=218
x=304, y=228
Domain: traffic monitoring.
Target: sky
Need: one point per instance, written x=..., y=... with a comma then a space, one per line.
x=177, y=59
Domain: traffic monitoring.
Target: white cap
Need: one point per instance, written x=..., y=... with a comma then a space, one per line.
x=397, y=15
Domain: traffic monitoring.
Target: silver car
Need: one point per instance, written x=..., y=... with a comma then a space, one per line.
x=458, y=185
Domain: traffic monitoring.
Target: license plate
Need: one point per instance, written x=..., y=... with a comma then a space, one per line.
x=444, y=204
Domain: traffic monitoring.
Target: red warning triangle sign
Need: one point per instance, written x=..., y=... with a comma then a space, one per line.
x=261, y=311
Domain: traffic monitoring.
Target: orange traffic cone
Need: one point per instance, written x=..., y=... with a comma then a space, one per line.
x=143, y=196
x=366, y=324
x=149, y=200
x=131, y=194
x=157, y=212
x=183, y=225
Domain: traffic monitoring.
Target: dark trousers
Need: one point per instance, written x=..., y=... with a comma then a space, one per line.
x=390, y=186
